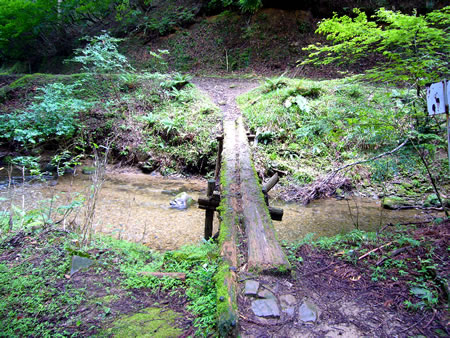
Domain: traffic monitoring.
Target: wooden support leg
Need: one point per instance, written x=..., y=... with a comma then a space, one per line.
x=219, y=157
x=209, y=215
x=266, y=196
x=209, y=224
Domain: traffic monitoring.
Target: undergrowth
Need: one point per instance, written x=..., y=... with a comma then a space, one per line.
x=309, y=128
x=40, y=297
x=153, y=120
x=412, y=259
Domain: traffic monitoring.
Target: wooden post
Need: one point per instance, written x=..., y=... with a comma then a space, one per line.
x=209, y=217
x=219, y=157
x=266, y=195
x=271, y=182
x=276, y=214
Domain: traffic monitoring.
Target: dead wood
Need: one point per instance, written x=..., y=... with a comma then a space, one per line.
x=176, y=275
x=374, y=250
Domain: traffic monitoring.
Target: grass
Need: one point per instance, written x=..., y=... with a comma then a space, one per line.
x=309, y=128
x=39, y=297
x=156, y=121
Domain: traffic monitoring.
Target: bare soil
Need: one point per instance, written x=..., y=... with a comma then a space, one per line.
x=349, y=303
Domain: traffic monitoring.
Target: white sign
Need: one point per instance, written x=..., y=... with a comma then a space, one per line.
x=437, y=97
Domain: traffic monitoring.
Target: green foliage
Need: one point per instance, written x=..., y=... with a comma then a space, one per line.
x=200, y=265
x=165, y=20
x=101, y=55
x=179, y=128
x=52, y=115
x=37, y=28
x=20, y=22
x=249, y=6
x=28, y=294
x=157, y=61
x=334, y=120
x=414, y=48
x=427, y=298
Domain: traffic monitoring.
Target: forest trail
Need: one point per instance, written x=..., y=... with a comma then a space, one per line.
x=224, y=92
x=315, y=297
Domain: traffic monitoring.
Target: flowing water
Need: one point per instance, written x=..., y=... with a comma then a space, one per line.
x=136, y=207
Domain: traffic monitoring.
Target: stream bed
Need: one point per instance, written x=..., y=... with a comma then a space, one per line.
x=136, y=207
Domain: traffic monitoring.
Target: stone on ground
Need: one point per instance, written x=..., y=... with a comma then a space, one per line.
x=264, y=293
x=251, y=288
x=308, y=312
x=79, y=263
x=287, y=303
x=266, y=308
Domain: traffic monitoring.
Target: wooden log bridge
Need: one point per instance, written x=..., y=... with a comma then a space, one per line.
x=245, y=221
x=211, y=202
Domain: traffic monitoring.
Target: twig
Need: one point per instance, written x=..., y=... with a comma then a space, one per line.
x=393, y=254
x=431, y=320
x=414, y=325
x=384, y=228
x=390, y=152
x=374, y=250
x=319, y=270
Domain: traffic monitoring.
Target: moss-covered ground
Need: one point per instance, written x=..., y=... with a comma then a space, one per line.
x=41, y=297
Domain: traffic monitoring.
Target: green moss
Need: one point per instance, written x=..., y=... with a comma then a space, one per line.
x=88, y=170
x=103, y=300
x=226, y=315
x=28, y=79
x=394, y=202
x=150, y=322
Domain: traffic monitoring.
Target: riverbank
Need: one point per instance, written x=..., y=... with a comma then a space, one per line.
x=393, y=282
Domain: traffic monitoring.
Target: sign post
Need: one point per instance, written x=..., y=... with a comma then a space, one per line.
x=438, y=103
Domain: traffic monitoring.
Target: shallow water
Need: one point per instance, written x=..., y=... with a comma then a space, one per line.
x=136, y=207
x=331, y=216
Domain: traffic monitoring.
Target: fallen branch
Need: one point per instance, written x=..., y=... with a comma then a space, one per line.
x=176, y=275
x=390, y=152
x=374, y=250
x=414, y=325
x=431, y=320
x=318, y=270
x=393, y=254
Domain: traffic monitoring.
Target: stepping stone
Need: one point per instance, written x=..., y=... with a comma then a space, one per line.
x=287, y=303
x=79, y=263
x=266, y=308
x=308, y=312
x=266, y=294
x=251, y=288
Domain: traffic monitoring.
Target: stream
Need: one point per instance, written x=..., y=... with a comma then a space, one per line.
x=135, y=207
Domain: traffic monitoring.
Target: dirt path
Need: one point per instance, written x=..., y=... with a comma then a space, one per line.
x=323, y=296
x=223, y=92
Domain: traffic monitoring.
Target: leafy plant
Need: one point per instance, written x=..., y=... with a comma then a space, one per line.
x=101, y=55
x=157, y=61
x=51, y=115
x=413, y=47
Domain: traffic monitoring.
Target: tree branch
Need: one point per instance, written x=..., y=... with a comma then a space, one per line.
x=390, y=152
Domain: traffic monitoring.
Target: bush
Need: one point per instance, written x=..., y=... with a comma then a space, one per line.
x=52, y=115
